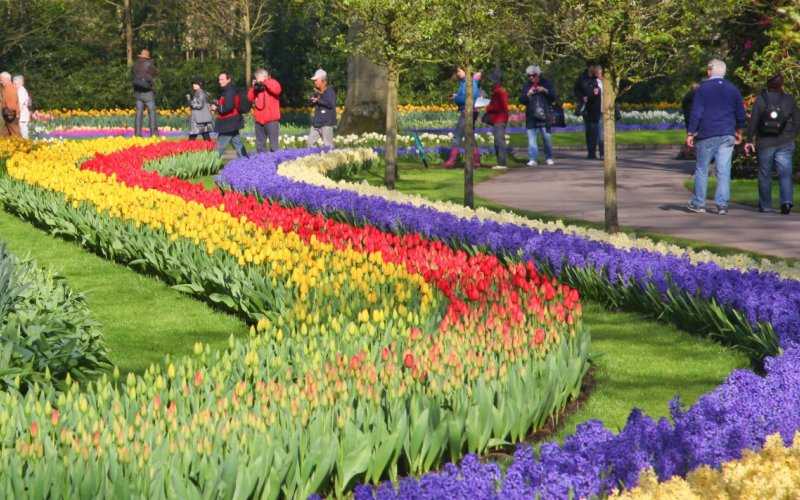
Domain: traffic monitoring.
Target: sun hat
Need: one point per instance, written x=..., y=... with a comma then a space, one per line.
x=320, y=74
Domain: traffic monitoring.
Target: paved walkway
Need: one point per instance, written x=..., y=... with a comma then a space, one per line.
x=651, y=197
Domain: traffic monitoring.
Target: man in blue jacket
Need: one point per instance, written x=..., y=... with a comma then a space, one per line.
x=715, y=127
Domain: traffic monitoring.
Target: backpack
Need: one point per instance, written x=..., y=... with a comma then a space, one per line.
x=241, y=101
x=773, y=119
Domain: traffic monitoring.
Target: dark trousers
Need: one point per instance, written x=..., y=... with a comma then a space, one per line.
x=206, y=136
x=145, y=100
x=271, y=130
x=593, y=138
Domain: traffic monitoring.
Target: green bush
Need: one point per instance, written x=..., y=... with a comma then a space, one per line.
x=46, y=329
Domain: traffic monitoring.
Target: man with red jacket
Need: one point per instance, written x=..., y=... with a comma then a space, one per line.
x=497, y=117
x=266, y=106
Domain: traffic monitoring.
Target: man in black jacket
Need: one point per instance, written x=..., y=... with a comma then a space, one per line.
x=229, y=120
x=143, y=79
x=324, y=102
x=774, y=124
x=589, y=97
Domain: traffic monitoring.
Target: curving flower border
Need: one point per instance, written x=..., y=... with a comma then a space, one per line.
x=737, y=416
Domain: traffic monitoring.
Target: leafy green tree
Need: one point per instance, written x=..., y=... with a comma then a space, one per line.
x=780, y=55
x=634, y=41
x=392, y=34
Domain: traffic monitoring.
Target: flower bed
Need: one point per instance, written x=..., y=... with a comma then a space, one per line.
x=724, y=303
x=46, y=330
x=379, y=354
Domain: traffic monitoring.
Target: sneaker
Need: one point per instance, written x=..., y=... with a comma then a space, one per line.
x=722, y=211
x=499, y=167
x=533, y=163
x=766, y=210
x=786, y=208
x=550, y=161
x=694, y=208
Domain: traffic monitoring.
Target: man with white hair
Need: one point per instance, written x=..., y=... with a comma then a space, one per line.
x=24, y=100
x=715, y=127
x=265, y=98
x=9, y=105
x=324, y=102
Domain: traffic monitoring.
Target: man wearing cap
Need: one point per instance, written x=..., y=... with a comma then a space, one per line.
x=538, y=95
x=324, y=102
x=144, y=75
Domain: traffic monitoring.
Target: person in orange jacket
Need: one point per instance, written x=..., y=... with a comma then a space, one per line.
x=266, y=108
x=9, y=102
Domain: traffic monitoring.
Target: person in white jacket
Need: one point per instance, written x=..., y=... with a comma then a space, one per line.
x=24, y=106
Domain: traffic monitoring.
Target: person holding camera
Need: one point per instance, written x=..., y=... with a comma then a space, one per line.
x=229, y=117
x=774, y=124
x=538, y=95
x=324, y=102
x=144, y=75
x=589, y=105
x=265, y=98
x=201, y=122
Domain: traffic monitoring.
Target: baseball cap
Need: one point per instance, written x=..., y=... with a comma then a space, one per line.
x=320, y=74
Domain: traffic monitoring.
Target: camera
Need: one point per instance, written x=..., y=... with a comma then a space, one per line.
x=259, y=87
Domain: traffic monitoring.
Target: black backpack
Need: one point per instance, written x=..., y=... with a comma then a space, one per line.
x=773, y=119
x=244, y=104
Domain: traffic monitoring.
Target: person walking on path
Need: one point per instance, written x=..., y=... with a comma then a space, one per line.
x=265, y=98
x=9, y=104
x=496, y=115
x=589, y=96
x=459, y=134
x=715, y=127
x=538, y=95
x=324, y=102
x=201, y=122
x=774, y=124
x=24, y=106
x=229, y=120
x=144, y=75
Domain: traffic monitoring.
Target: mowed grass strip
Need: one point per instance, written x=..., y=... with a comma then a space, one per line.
x=142, y=318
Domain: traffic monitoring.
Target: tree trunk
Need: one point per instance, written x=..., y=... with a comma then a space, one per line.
x=248, y=44
x=365, y=104
x=127, y=14
x=391, y=127
x=469, y=144
x=610, y=153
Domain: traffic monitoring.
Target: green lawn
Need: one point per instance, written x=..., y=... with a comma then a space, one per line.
x=637, y=137
x=644, y=364
x=745, y=191
x=142, y=318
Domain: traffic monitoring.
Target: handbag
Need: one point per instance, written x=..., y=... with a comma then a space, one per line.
x=539, y=110
x=556, y=117
x=486, y=118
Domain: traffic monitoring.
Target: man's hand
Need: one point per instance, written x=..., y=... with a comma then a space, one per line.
x=690, y=141
x=738, y=137
x=749, y=148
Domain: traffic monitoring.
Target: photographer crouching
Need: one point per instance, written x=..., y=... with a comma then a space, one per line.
x=266, y=106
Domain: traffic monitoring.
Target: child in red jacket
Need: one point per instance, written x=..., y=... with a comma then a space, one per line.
x=266, y=108
x=497, y=117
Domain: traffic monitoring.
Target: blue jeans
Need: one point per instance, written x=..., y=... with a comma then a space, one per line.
x=224, y=139
x=781, y=158
x=721, y=150
x=533, y=146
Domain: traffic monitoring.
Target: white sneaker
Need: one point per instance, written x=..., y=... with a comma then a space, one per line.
x=499, y=167
x=533, y=163
x=550, y=161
